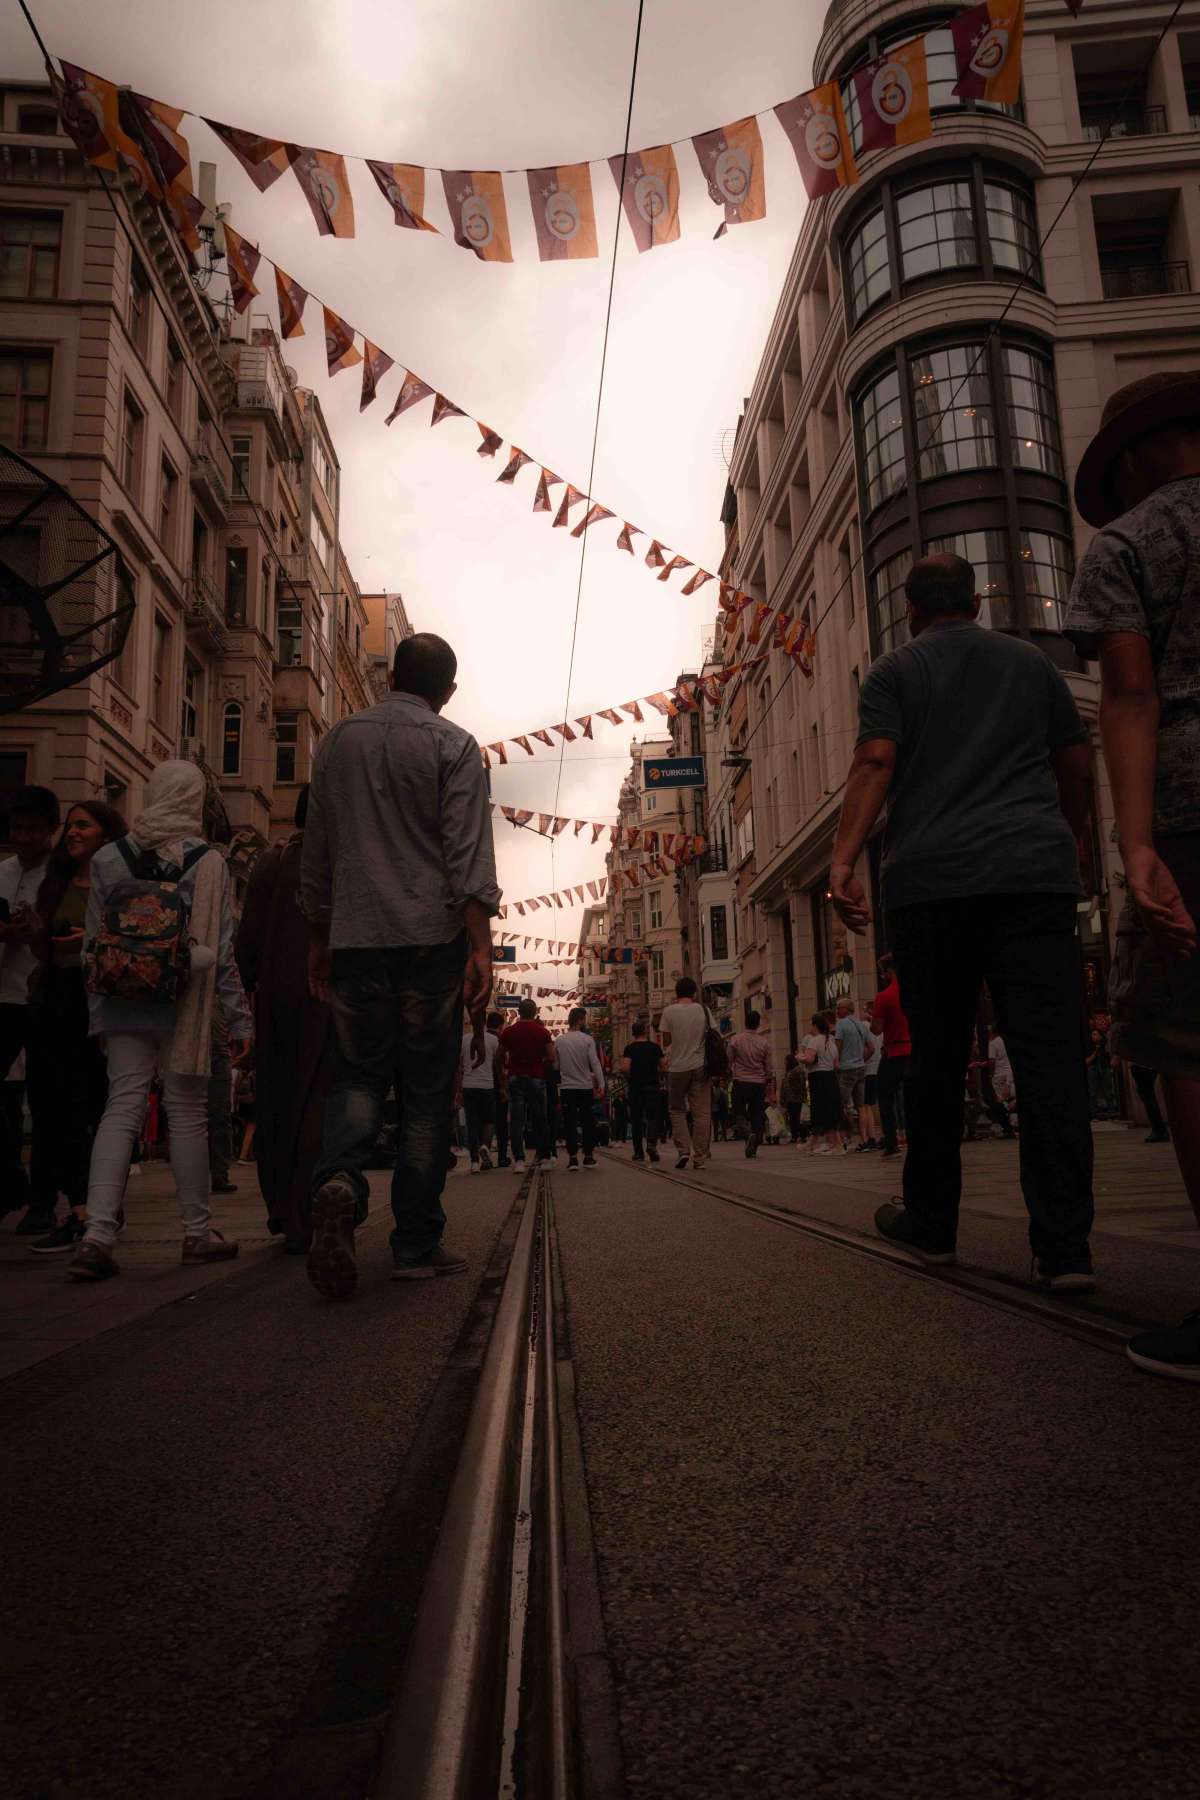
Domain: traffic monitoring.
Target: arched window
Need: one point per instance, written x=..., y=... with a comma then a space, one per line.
x=231, y=738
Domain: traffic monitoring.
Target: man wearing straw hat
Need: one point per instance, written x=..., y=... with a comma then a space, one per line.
x=1136, y=606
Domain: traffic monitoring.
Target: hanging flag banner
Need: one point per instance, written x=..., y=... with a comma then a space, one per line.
x=326, y=186
x=292, y=301
x=513, y=466
x=403, y=187
x=563, y=215
x=264, y=159
x=569, y=499
x=595, y=515
x=541, y=498
x=412, y=390
x=988, y=40
x=476, y=201
x=376, y=363
x=816, y=129
x=491, y=440
x=731, y=160
x=649, y=194
x=90, y=111
x=893, y=98
x=445, y=409
x=340, y=350
x=242, y=260
x=625, y=536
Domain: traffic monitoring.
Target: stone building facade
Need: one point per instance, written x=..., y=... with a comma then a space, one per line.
x=185, y=434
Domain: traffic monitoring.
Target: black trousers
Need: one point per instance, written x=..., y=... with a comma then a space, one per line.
x=645, y=1118
x=1144, y=1080
x=750, y=1102
x=501, y=1124
x=1025, y=947
x=578, y=1118
x=892, y=1071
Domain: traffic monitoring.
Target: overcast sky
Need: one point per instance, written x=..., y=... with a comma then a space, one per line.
x=514, y=84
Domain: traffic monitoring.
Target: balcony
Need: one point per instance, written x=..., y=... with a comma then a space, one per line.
x=713, y=862
x=212, y=476
x=1122, y=121
x=1144, y=280
x=297, y=570
x=202, y=611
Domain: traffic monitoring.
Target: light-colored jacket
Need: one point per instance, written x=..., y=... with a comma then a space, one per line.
x=578, y=1064
x=107, y=1014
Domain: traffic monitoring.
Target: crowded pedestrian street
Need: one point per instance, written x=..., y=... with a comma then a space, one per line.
x=830, y=1522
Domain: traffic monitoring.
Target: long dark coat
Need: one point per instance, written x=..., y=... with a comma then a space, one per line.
x=293, y=1040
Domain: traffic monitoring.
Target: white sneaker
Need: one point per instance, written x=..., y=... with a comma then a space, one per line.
x=531, y=1161
x=474, y=1168
x=825, y=1150
x=547, y=1162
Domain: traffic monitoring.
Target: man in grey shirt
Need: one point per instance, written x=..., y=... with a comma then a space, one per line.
x=398, y=882
x=975, y=743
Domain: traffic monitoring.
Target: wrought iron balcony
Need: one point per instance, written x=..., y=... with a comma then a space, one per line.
x=211, y=472
x=713, y=862
x=202, y=608
x=1143, y=280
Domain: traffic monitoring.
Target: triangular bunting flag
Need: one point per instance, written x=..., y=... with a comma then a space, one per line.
x=543, y=737
x=654, y=555
x=445, y=409
x=242, y=260
x=585, y=725
x=611, y=714
x=626, y=533
x=376, y=363
x=594, y=515
x=340, y=350
x=525, y=745
x=596, y=830
x=513, y=466
x=565, y=733
x=633, y=709
x=491, y=440
x=544, y=823
x=568, y=501
x=541, y=498
x=412, y=390
x=499, y=751
x=322, y=176
x=292, y=301
x=697, y=581
x=676, y=562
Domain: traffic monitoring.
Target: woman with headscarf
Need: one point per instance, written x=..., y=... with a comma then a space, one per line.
x=68, y=1061
x=293, y=1039
x=170, y=1037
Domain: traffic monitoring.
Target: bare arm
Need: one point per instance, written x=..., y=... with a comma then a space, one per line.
x=867, y=787
x=1129, y=716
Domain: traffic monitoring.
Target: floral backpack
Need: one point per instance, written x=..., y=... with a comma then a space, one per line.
x=141, y=950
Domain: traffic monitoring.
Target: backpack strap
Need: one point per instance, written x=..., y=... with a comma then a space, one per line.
x=192, y=857
x=127, y=853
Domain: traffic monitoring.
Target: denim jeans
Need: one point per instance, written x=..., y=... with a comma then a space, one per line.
x=479, y=1104
x=750, y=1105
x=645, y=1116
x=397, y=1017
x=527, y=1115
x=1025, y=947
x=578, y=1119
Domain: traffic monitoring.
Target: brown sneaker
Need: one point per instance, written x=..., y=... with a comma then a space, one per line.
x=210, y=1249
x=331, y=1265
x=92, y=1262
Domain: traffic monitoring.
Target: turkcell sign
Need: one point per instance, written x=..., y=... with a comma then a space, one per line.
x=674, y=772
x=504, y=953
x=507, y=999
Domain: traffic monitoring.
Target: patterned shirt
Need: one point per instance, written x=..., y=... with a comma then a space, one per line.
x=1142, y=575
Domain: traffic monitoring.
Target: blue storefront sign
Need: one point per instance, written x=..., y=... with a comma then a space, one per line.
x=507, y=999
x=674, y=772
x=504, y=953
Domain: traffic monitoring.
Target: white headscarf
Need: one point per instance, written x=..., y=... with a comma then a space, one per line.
x=174, y=810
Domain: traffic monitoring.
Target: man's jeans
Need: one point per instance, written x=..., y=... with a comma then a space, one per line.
x=1025, y=947
x=527, y=1115
x=645, y=1117
x=397, y=1017
x=750, y=1105
x=893, y=1072
x=578, y=1118
x=479, y=1104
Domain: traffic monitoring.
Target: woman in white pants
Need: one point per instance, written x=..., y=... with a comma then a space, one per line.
x=172, y=1037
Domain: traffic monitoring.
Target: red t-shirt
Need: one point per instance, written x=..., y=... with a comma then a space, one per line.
x=525, y=1044
x=889, y=1018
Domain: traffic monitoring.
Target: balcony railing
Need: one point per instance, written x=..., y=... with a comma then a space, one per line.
x=296, y=569
x=211, y=471
x=713, y=862
x=203, y=609
x=1123, y=121
x=1144, y=280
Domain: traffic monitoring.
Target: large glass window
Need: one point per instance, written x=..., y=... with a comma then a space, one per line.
x=1047, y=566
x=1032, y=413
x=25, y=398
x=937, y=229
x=29, y=251
x=987, y=553
x=881, y=425
x=1011, y=227
x=952, y=410
x=943, y=77
x=889, y=608
x=868, y=272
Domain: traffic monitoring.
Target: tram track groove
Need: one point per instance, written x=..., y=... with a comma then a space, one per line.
x=1106, y=1331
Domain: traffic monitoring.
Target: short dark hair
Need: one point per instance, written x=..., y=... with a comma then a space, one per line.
x=753, y=1021
x=494, y=1019
x=527, y=1009
x=943, y=583
x=639, y=1028
x=887, y=965
x=685, y=988
x=40, y=802
x=424, y=665
x=575, y=1017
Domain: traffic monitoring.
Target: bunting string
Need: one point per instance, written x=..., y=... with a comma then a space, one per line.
x=892, y=96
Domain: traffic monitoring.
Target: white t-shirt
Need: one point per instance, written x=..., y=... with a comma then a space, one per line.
x=17, y=961
x=873, y=1052
x=826, y=1048
x=483, y=1076
x=687, y=1022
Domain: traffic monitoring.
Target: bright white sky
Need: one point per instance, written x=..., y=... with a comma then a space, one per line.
x=513, y=84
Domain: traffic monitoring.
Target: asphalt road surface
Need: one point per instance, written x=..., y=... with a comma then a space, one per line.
x=857, y=1532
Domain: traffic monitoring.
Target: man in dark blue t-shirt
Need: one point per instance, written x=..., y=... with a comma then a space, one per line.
x=974, y=741
x=641, y=1065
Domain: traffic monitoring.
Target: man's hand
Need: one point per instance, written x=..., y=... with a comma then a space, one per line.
x=1157, y=897
x=239, y=1052
x=478, y=1046
x=319, y=965
x=849, y=897
x=477, y=986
